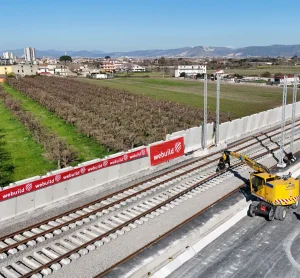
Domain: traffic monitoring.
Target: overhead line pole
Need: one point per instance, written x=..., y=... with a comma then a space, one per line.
x=218, y=109
x=293, y=115
x=204, y=133
x=281, y=153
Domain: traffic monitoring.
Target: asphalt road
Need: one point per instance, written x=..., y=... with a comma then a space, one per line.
x=254, y=247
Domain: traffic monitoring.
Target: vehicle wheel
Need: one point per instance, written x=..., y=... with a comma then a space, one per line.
x=294, y=206
x=271, y=214
x=282, y=213
x=277, y=209
x=251, y=210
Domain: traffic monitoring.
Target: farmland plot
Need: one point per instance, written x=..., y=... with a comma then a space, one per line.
x=117, y=119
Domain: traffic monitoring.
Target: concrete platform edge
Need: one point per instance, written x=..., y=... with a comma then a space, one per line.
x=173, y=257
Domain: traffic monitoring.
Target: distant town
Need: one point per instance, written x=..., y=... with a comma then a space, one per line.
x=228, y=69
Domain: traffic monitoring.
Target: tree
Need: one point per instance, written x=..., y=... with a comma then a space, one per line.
x=128, y=69
x=238, y=76
x=162, y=61
x=266, y=74
x=65, y=58
x=10, y=74
x=6, y=167
x=107, y=57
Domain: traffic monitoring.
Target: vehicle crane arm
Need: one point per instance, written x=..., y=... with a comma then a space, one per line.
x=257, y=167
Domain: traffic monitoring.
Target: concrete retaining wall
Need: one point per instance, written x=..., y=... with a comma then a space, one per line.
x=34, y=199
x=236, y=129
x=229, y=131
x=239, y=128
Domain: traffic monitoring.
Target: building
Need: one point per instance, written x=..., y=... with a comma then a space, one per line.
x=280, y=80
x=137, y=68
x=6, y=69
x=44, y=69
x=60, y=70
x=5, y=61
x=221, y=73
x=108, y=66
x=9, y=56
x=20, y=70
x=190, y=70
x=23, y=70
x=99, y=75
x=29, y=54
x=49, y=61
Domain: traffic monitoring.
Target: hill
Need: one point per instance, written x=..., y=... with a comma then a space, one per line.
x=197, y=51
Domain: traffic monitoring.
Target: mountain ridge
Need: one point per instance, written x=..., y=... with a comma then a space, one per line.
x=183, y=52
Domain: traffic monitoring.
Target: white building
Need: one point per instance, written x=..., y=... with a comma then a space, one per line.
x=190, y=70
x=221, y=73
x=8, y=55
x=280, y=80
x=29, y=54
x=137, y=68
x=99, y=75
x=45, y=69
x=60, y=70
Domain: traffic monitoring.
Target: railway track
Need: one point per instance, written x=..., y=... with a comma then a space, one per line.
x=132, y=255
x=163, y=192
x=19, y=240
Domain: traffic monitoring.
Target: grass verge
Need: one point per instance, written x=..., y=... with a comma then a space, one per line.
x=86, y=148
x=26, y=154
x=238, y=100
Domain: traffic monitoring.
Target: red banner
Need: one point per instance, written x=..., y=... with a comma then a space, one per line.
x=67, y=175
x=166, y=151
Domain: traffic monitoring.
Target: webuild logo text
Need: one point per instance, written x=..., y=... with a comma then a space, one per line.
x=165, y=151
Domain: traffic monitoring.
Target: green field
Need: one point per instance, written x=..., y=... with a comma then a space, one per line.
x=26, y=154
x=153, y=74
x=261, y=69
x=86, y=148
x=239, y=100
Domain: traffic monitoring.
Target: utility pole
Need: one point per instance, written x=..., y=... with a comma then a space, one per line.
x=218, y=110
x=281, y=154
x=293, y=116
x=204, y=133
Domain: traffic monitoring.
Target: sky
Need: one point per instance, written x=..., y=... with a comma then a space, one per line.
x=125, y=25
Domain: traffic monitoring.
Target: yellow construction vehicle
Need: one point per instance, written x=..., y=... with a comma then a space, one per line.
x=273, y=194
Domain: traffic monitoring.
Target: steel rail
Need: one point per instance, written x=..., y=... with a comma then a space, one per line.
x=132, y=255
x=87, y=214
x=92, y=241
x=166, y=233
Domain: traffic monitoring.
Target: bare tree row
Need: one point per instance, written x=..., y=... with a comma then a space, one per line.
x=118, y=119
x=56, y=149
